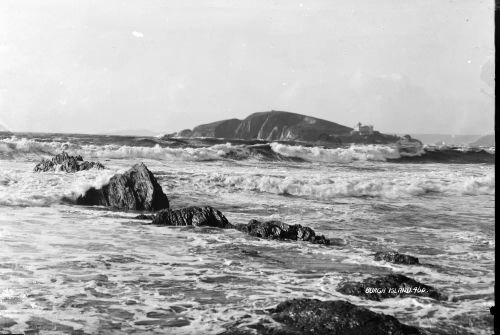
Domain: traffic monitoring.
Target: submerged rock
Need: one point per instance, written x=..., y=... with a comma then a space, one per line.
x=65, y=162
x=389, y=286
x=395, y=257
x=337, y=317
x=277, y=230
x=135, y=189
x=192, y=216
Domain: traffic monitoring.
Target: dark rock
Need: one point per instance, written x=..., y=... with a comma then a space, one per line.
x=277, y=230
x=65, y=162
x=144, y=217
x=395, y=257
x=311, y=316
x=378, y=288
x=192, y=216
x=136, y=189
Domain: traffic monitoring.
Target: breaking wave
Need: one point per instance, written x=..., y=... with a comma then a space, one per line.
x=340, y=155
x=12, y=148
x=331, y=188
x=23, y=188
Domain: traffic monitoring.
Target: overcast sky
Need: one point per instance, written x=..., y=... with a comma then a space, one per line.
x=405, y=66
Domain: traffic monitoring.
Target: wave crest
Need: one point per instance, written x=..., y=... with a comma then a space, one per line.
x=11, y=148
x=338, y=155
x=330, y=188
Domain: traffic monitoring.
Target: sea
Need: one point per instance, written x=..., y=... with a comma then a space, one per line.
x=68, y=269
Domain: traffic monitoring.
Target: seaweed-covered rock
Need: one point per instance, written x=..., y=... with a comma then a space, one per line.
x=277, y=230
x=389, y=286
x=395, y=257
x=337, y=317
x=135, y=189
x=192, y=216
x=65, y=162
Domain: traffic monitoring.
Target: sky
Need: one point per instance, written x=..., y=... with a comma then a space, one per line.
x=90, y=66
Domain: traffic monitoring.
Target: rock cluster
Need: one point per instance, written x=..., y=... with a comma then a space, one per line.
x=136, y=189
x=192, y=216
x=67, y=163
x=396, y=257
x=277, y=230
x=211, y=217
x=312, y=316
x=389, y=286
x=334, y=317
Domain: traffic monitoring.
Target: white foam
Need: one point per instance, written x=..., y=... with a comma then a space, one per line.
x=22, y=187
x=318, y=187
x=14, y=147
x=339, y=155
x=28, y=148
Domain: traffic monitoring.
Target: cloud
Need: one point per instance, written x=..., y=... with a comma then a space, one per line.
x=137, y=34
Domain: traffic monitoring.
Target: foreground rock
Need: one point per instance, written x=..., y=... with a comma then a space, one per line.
x=192, y=216
x=135, y=189
x=395, y=257
x=67, y=163
x=389, y=286
x=311, y=316
x=277, y=230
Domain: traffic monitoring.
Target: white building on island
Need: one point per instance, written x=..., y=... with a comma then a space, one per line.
x=360, y=129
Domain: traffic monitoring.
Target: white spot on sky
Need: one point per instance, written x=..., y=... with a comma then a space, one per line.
x=469, y=61
x=137, y=34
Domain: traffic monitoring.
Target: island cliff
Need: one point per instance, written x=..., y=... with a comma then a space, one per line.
x=285, y=126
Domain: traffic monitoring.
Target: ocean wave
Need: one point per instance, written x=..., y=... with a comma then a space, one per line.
x=13, y=147
x=338, y=155
x=25, y=148
x=25, y=188
x=331, y=188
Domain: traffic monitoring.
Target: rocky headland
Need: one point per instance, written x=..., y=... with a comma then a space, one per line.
x=285, y=126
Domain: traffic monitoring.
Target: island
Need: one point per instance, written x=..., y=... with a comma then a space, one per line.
x=290, y=127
